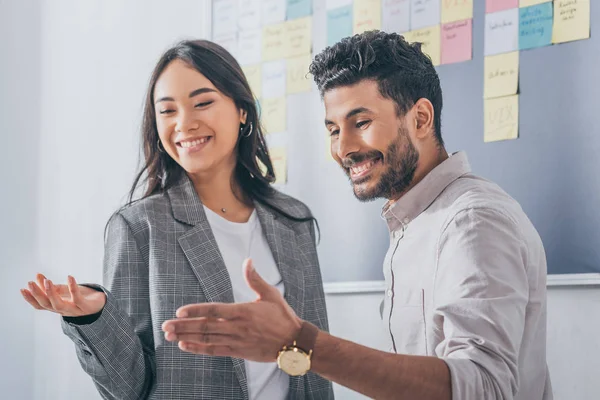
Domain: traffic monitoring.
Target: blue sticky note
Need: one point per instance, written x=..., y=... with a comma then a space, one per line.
x=298, y=8
x=339, y=24
x=535, y=26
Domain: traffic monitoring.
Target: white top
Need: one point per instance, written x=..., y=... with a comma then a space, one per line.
x=238, y=241
x=466, y=282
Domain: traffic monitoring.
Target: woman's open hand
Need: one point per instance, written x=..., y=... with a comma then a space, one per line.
x=70, y=300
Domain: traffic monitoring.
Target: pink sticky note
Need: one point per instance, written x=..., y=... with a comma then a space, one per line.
x=500, y=5
x=457, y=41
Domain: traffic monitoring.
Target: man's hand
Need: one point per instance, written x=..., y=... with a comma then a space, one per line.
x=253, y=331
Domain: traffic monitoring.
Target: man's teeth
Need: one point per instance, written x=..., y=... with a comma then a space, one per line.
x=192, y=143
x=363, y=167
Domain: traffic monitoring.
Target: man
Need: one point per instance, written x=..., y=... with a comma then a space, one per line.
x=465, y=309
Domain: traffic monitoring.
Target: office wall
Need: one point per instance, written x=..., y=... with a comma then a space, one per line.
x=19, y=133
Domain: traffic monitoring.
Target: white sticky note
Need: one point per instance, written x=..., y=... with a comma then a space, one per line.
x=249, y=46
x=273, y=79
x=273, y=11
x=224, y=18
x=229, y=42
x=501, y=32
x=395, y=16
x=249, y=14
x=424, y=13
x=333, y=4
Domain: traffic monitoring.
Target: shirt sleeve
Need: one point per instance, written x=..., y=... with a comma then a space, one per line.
x=480, y=299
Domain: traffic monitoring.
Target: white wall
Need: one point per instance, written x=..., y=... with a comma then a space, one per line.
x=73, y=76
x=19, y=164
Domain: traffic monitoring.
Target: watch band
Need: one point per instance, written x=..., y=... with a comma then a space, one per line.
x=307, y=337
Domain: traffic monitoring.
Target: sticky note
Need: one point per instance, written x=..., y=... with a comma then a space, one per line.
x=274, y=114
x=298, y=37
x=500, y=5
x=249, y=14
x=395, y=16
x=254, y=77
x=571, y=20
x=273, y=42
x=298, y=79
x=501, y=32
x=278, y=157
x=273, y=11
x=501, y=75
x=273, y=79
x=456, y=10
x=250, y=46
x=333, y=4
x=424, y=13
x=339, y=24
x=529, y=3
x=224, y=17
x=366, y=15
x=298, y=8
x=501, y=118
x=430, y=39
x=229, y=42
x=457, y=41
x=535, y=26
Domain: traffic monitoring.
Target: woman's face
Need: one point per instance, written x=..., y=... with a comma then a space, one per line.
x=198, y=125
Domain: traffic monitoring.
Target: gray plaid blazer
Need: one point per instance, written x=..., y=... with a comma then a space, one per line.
x=160, y=254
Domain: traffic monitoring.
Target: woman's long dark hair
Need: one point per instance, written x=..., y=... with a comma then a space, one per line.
x=160, y=172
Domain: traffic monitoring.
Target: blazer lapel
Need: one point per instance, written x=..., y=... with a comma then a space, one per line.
x=282, y=242
x=200, y=248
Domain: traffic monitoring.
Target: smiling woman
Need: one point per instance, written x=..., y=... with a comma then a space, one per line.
x=207, y=206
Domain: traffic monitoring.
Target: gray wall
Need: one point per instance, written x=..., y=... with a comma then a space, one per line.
x=19, y=167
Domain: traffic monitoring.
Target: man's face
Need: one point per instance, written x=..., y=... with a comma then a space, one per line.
x=370, y=141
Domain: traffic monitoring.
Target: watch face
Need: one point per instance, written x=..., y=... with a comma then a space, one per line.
x=294, y=363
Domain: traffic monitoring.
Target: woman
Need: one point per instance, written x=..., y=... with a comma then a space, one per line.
x=207, y=206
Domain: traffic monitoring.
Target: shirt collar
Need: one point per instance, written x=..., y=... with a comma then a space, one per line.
x=424, y=193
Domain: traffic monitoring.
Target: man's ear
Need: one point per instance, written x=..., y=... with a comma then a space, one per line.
x=424, y=114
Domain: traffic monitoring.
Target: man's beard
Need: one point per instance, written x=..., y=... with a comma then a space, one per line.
x=400, y=160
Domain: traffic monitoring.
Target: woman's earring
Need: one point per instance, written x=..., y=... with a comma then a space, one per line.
x=249, y=131
x=159, y=146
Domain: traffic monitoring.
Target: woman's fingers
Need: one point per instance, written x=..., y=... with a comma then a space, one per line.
x=40, y=278
x=74, y=291
x=58, y=304
x=39, y=296
x=31, y=300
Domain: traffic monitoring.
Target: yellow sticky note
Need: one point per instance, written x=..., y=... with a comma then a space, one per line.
x=298, y=79
x=279, y=159
x=274, y=44
x=254, y=77
x=274, y=114
x=501, y=118
x=456, y=10
x=571, y=20
x=527, y=3
x=298, y=37
x=366, y=15
x=501, y=75
x=430, y=39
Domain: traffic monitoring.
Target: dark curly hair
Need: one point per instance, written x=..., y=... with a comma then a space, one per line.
x=403, y=72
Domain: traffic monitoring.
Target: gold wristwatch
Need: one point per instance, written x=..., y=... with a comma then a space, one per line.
x=295, y=360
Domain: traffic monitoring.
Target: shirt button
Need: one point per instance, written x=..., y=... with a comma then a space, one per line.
x=389, y=292
x=405, y=221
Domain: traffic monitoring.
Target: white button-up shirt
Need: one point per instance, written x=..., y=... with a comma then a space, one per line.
x=466, y=282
